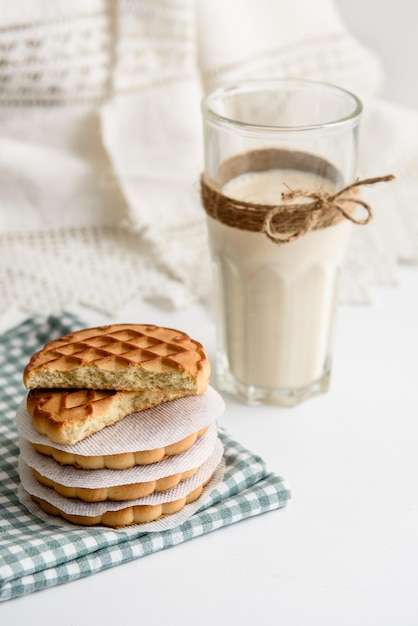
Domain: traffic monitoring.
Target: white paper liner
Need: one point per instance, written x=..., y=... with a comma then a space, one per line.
x=165, y=523
x=74, y=477
x=153, y=428
x=73, y=506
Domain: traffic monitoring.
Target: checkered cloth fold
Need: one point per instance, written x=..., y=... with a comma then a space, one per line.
x=35, y=555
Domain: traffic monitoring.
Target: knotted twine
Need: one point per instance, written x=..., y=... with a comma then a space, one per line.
x=286, y=222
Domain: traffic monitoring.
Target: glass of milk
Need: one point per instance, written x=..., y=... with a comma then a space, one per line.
x=276, y=272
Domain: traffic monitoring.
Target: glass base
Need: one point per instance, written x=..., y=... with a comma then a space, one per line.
x=254, y=395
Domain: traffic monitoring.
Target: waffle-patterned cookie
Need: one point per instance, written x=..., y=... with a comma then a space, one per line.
x=121, y=461
x=137, y=514
x=119, y=493
x=122, y=357
x=67, y=416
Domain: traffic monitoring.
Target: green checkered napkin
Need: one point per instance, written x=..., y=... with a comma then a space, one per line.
x=35, y=555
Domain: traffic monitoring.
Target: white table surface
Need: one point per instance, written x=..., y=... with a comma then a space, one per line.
x=343, y=552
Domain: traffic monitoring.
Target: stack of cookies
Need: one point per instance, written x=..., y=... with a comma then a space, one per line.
x=119, y=425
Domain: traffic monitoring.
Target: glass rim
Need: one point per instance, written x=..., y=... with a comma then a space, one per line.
x=257, y=84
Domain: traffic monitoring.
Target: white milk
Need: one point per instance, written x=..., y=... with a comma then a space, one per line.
x=275, y=302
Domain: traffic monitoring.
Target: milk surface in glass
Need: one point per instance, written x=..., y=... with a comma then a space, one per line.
x=275, y=302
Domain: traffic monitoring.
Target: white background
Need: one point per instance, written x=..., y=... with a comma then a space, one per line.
x=390, y=27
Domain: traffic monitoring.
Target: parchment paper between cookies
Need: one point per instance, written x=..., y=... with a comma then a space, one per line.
x=70, y=476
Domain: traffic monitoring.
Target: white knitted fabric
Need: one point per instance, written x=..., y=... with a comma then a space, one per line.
x=101, y=143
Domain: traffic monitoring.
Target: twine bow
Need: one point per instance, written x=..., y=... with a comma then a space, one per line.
x=323, y=204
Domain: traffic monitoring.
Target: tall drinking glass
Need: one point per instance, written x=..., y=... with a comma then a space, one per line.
x=277, y=154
